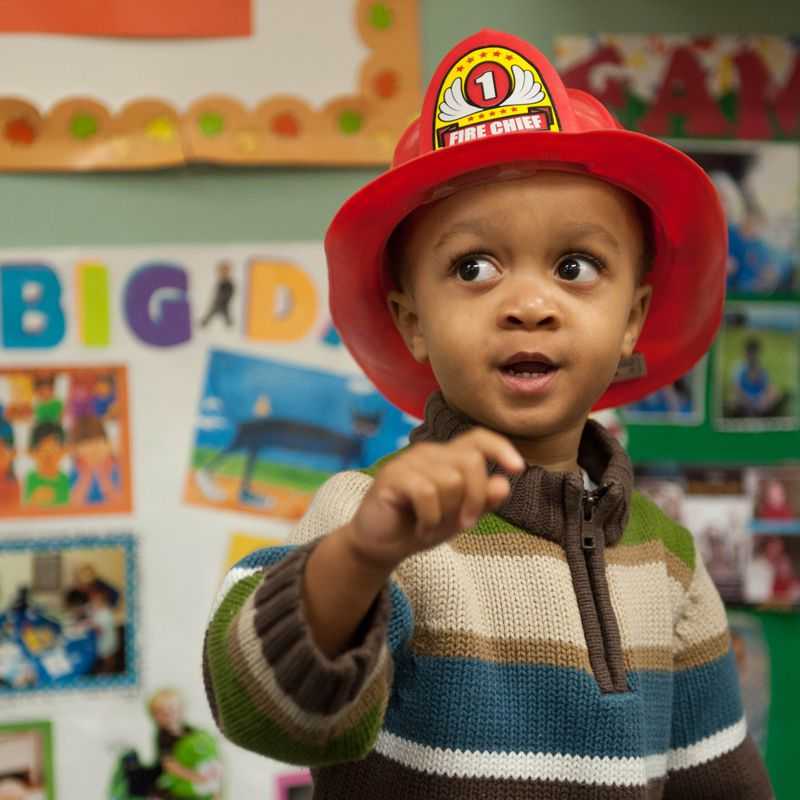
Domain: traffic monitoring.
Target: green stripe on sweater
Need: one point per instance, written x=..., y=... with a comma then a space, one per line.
x=648, y=522
x=242, y=722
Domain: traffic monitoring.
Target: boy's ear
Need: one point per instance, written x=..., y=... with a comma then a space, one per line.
x=404, y=313
x=642, y=296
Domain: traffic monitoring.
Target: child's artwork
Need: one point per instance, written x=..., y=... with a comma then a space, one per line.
x=758, y=367
x=678, y=85
x=759, y=185
x=319, y=83
x=187, y=759
x=773, y=574
x=296, y=786
x=26, y=761
x=269, y=434
x=753, y=665
x=64, y=441
x=67, y=611
x=681, y=403
x=776, y=499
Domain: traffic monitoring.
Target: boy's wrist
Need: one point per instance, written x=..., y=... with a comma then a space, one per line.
x=355, y=561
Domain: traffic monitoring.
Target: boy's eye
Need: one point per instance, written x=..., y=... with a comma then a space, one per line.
x=579, y=268
x=475, y=269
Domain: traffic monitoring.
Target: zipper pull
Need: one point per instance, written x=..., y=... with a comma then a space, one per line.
x=588, y=503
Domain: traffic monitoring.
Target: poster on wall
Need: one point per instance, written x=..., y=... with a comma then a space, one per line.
x=268, y=434
x=67, y=614
x=208, y=384
x=159, y=102
x=759, y=186
x=64, y=440
x=679, y=86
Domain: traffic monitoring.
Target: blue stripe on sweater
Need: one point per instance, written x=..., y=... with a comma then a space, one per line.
x=474, y=706
x=265, y=557
x=707, y=699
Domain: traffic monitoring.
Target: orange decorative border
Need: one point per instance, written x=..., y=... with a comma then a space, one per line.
x=81, y=134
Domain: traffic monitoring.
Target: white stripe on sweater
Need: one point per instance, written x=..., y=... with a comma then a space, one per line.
x=232, y=577
x=593, y=770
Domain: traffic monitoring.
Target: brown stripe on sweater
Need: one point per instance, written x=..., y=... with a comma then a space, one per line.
x=463, y=644
x=649, y=553
x=703, y=652
x=380, y=778
x=653, y=658
x=737, y=775
x=258, y=681
x=316, y=683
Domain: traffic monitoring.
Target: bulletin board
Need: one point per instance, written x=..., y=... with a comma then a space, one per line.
x=719, y=450
x=118, y=520
x=313, y=83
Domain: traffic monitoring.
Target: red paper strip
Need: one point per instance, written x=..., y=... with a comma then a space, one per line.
x=142, y=18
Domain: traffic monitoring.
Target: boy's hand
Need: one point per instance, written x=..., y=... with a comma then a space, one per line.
x=428, y=494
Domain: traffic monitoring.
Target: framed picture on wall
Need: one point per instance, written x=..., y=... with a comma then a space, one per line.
x=757, y=380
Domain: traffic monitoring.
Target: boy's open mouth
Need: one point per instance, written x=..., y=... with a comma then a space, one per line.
x=528, y=365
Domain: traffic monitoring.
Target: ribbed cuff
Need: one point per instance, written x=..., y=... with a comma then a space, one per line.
x=316, y=683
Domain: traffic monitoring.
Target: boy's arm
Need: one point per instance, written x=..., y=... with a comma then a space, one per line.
x=271, y=687
x=711, y=756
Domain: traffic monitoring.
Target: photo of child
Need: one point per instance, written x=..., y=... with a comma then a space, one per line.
x=776, y=498
x=759, y=184
x=64, y=441
x=773, y=574
x=187, y=763
x=66, y=613
x=26, y=761
x=758, y=364
x=680, y=403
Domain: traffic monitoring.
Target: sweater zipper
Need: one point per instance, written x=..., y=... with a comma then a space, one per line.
x=589, y=533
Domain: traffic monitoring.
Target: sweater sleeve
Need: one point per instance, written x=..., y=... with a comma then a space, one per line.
x=270, y=688
x=711, y=756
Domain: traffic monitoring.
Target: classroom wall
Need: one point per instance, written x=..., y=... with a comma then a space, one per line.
x=209, y=205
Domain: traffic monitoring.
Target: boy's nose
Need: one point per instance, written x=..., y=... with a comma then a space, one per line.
x=529, y=311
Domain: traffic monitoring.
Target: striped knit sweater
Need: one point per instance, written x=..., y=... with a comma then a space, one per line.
x=570, y=645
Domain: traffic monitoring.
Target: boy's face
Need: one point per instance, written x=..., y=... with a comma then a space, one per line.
x=93, y=451
x=47, y=455
x=168, y=712
x=545, y=265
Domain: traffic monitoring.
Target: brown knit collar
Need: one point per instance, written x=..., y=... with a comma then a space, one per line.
x=546, y=503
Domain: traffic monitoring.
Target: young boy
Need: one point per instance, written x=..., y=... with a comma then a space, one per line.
x=47, y=485
x=492, y=612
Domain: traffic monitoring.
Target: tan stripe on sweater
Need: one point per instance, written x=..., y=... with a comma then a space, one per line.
x=650, y=552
